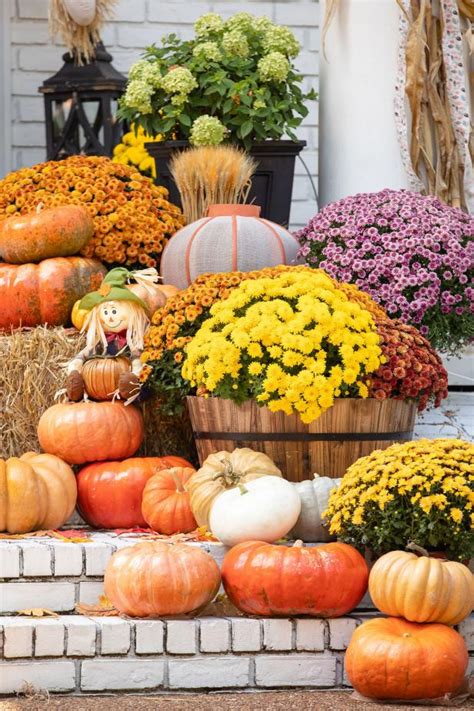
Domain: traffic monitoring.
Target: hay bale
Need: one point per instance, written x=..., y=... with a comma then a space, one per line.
x=31, y=374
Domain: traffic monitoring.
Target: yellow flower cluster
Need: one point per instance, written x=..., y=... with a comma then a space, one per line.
x=294, y=343
x=132, y=217
x=435, y=477
x=132, y=151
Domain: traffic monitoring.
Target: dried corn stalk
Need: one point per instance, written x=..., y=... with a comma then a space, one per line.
x=80, y=40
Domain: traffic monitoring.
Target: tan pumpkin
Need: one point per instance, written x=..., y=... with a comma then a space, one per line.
x=422, y=589
x=151, y=294
x=101, y=376
x=222, y=471
x=37, y=491
x=47, y=233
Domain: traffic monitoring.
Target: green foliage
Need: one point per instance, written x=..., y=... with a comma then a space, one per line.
x=241, y=73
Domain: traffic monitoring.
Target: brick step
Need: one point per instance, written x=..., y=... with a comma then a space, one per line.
x=86, y=654
x=46, y=572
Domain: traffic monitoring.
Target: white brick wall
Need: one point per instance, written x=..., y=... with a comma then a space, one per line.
x=138, y=24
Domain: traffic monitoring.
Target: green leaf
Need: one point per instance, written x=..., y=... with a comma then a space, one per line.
x=246, y=128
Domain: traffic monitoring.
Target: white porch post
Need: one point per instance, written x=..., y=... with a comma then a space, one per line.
x=5, y=94
x=358, y=147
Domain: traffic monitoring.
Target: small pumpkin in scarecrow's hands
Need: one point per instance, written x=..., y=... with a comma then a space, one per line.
x=115, y=325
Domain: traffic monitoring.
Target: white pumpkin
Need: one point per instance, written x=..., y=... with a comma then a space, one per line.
x=314, y=495
x=264, y=509
x=81, y=11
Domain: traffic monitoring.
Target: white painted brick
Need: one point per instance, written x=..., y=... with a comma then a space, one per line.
x=466, y=628
x=115, y=635
x=177, y=12
x=127, y=11
x=28, y=134
x=208, y=672
x=29, y=33
x=97, y=557
x=297, y=13
x=295, y=670
x=306, y=62
x=310, y=635
x=30, y=109
x=17, y=637
x=302, y=212
x=121, y=674
x=246, y=635
x=27, y=83
x=81, y=635
x=259, y=8
x=36, y=560
x=149, y=636
x=277, y=634
x=18, y=596
x=34, y=9
x=340, y=632
x=9, y=560
x=53, y=675
x=45, y=59
x=311, y=160
x=49, y=638
x=32, y=156
x=68, y=559
x=181, y=637
x=214, y=634
x=89, y=592
x=124, y=58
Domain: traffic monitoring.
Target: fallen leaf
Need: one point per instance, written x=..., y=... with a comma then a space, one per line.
x=37, y=612
x=103, y=609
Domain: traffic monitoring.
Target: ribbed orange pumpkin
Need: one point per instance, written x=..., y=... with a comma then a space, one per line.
x=33, y=294
x=91, y=431
x=52, y=232
x=390, y=658
x=422, y=589
x=37, y=491
x=158, y=579
x=323, y=581
x=101, y=376
x=110, y=493
x=165, y=503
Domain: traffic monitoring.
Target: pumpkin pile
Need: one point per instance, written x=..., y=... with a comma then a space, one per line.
x=413, y=654
x=40, y=278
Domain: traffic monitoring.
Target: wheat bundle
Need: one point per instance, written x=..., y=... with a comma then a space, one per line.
x=31, y=374
x=211, y=175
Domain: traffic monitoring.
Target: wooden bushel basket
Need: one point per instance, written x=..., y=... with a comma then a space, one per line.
x=352, y=428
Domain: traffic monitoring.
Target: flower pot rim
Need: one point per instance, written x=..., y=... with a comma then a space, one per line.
x=233, y=209
x=267, y=144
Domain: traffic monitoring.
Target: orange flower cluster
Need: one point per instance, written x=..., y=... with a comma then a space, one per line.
x=174, y=325
x=133, y=219
x=412, y=370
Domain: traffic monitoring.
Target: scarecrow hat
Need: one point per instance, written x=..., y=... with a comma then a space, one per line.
x=113, y=288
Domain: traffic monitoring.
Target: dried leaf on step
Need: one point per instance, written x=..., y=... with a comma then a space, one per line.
x=37, y=612
x=71, y=536
x=104, y=608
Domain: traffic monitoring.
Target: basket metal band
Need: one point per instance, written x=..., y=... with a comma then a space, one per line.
x=305, y=436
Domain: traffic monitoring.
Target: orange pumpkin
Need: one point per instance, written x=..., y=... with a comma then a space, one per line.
x=51, y=232
x=91, y=431
x=390, y=658
x=37, y=491
x=323, y=581
x=152, y=295
x=159, y=579
x=110, y=493
x=33, y=294
x=101, y=376
x=165, y=503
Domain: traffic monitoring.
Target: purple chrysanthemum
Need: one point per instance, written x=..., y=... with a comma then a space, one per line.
x=413, y=254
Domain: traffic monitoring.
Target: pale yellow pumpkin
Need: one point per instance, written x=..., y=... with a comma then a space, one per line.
x=37, y=491
x=222, y=471
x=422, y=589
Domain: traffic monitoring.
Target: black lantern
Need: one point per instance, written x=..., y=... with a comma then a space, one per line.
x=80, y=103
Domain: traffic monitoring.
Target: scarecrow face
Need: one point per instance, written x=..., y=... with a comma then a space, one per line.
x=114, y=316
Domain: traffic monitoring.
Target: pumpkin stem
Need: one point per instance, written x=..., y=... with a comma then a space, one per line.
x=242, y=489
x=177, y=481
x=417, y=549
x=229, y=476
x=298, y=544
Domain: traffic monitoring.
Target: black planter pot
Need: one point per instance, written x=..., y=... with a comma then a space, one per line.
x=272, y=183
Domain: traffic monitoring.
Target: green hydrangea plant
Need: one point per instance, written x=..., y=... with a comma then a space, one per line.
x=234, y=81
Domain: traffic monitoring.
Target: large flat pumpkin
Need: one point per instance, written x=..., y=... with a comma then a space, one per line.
x=33, y=294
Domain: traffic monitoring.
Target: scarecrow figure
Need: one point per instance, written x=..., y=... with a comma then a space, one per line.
x=115, y=326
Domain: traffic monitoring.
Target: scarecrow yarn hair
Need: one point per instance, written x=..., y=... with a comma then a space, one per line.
x=138, y=324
